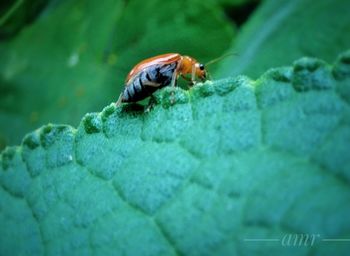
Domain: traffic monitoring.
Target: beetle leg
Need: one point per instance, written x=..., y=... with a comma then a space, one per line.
x=152, y=84
x=119, y=102
x=172, y=85
x=173, y=79
x=149, y=106
x=193, y=75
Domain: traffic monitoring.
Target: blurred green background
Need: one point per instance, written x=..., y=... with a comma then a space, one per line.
x=61, y=59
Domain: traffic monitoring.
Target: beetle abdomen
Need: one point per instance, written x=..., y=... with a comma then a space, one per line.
x=148, y=81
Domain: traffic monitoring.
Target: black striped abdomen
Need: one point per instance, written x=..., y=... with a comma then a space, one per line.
x=148, y=81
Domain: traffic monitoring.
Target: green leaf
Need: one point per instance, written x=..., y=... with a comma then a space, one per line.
x=232, y=160
x=75, y=57
x=282, y=31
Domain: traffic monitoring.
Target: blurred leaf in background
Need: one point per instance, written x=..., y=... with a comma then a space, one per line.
x=14, y=15
x=74, y=58
x=281, y=31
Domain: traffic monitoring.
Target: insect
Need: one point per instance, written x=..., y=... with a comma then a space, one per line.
x=154, y=73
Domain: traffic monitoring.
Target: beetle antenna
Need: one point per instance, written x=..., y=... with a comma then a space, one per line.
x=220, y=58
x=209, y=76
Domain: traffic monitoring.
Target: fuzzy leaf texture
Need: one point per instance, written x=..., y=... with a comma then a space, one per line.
x=232, y=160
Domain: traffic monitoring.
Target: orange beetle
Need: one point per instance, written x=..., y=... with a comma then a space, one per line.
x=159, y=71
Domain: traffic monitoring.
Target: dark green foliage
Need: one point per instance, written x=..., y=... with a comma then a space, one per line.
x=281, y=31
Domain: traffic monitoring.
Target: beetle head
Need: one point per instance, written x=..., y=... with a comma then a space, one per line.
x=189, y=65
x=201, y=72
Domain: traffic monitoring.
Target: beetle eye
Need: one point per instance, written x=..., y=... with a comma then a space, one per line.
x=201, y=66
